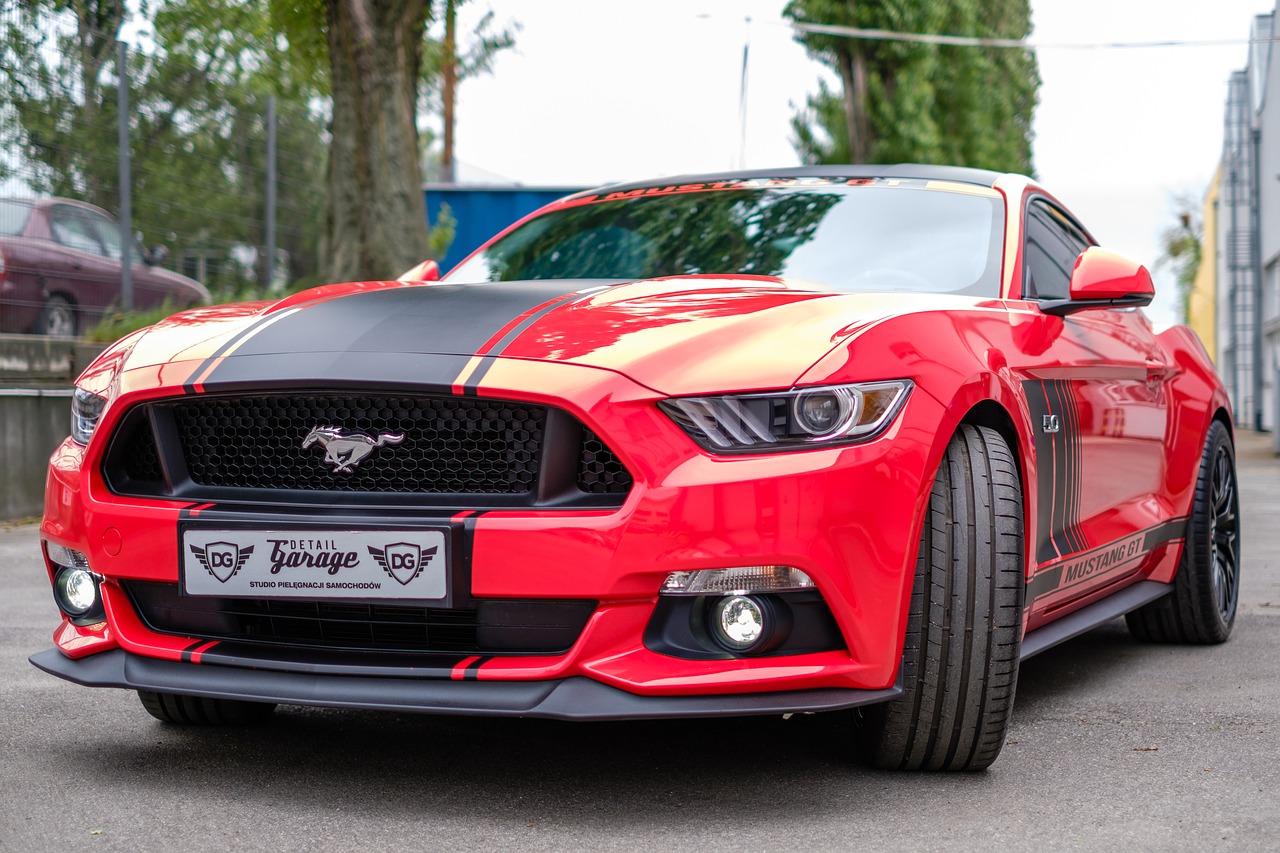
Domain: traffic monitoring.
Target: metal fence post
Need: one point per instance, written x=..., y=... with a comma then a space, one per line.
x=126, y=211
x=269, y=267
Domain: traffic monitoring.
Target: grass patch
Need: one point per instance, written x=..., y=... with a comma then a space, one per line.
x=114, y=325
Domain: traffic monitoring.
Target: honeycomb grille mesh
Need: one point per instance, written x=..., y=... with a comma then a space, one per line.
x=142, y=460
x=446, y=445
x=600, y=472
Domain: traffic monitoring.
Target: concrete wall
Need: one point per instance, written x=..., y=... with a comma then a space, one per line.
x=33, y=421
x=36, y=376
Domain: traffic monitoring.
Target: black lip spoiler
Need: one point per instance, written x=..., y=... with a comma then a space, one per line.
x=575, y=698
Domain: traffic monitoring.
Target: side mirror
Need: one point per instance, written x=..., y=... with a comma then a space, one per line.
x=425, y=271
x=156, y=255
x=1103, y=279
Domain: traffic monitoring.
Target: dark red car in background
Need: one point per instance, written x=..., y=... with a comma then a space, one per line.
x=60, y=269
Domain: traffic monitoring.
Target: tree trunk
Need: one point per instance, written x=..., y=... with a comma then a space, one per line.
x=376, y=226
x=448, y=88
x=853, y=74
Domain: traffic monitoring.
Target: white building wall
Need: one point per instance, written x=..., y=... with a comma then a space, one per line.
x=1266, y=59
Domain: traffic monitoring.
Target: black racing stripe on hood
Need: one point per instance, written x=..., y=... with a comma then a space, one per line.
x=472, y=384
x=439, y=318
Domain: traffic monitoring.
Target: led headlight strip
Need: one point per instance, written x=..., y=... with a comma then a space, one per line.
x=789, y=420
x=86, y=410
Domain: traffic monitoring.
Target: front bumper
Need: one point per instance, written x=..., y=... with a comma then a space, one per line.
x=574, y=698
x=847, y=517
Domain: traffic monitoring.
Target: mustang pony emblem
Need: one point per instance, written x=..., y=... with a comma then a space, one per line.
x=345, y=450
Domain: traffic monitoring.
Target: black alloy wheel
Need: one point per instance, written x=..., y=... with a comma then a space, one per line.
x=1201, y=608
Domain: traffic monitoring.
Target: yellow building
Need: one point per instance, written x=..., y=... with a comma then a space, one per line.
x=1202, y=301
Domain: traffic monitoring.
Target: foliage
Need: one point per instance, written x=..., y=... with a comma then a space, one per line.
x=198, y=92
x=444, y=68
x=901, y=101
x=114, y=325
x=1182, y=248
x=476, y=57
x=745, y=232
x=200, y=77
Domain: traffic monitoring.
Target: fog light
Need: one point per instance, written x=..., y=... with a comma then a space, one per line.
x=738, y=622
x=76, y=591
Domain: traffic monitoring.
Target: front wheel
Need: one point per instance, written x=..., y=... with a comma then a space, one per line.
x=1201, y=609
x=201, y=711
x=57, y=318
x=964, y=628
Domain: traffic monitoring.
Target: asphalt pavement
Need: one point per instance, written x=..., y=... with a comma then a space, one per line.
x=1114, y=745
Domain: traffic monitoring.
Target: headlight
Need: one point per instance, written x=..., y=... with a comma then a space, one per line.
x=86, y=409
x=789, y=420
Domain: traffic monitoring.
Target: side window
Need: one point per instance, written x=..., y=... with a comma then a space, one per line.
x=1053, y=244
x=74, y=231
x=108, y=232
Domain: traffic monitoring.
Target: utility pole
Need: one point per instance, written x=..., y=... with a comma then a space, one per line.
x=269, y=264
x=126, y=200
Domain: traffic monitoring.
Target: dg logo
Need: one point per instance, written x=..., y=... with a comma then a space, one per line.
x=403, y=561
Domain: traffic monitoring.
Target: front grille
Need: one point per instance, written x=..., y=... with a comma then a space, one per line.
x=493, y=626
x=437, y=450
x=447, y=445
x=600, y=472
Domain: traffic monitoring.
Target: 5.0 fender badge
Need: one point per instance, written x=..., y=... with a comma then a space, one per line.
x=345, y=450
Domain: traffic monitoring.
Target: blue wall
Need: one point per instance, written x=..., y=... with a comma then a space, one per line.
x=484, y=211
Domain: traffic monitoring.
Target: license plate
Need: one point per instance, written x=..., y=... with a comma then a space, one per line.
x=387, y=564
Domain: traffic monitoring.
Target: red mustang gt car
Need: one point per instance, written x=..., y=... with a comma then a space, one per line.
x=757, y=443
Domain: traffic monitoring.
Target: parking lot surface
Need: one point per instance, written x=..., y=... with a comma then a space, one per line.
x=1114, y=745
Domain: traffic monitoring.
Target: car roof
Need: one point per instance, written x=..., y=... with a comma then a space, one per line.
x=908, y=171
x=43, y=202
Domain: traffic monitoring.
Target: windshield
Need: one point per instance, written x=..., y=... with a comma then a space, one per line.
x=874, y=235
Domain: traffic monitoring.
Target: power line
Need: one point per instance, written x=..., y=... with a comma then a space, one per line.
x=1022, y=44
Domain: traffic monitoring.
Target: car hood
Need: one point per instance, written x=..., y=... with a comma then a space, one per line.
x=678, y=335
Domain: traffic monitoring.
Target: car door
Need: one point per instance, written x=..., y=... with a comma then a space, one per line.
x=148, y=290
x=84, y=271
x=1098, y=407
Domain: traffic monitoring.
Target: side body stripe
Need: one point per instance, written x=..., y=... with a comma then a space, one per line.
x=1058, y=532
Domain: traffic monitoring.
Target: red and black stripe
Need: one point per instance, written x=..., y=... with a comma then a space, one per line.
x=443, y=335
x=1058, y=465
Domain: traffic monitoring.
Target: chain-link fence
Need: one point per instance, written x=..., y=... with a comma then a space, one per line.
x=201, y=176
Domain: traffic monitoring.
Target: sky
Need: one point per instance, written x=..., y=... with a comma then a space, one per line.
x=599, y=91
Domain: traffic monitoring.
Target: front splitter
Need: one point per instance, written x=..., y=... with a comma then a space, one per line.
x=575, y=698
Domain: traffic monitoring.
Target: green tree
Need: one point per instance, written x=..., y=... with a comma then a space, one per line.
x=1181, y=249
x=906, y=101
x=369, y=53
x=445, y=66
x=198, y=101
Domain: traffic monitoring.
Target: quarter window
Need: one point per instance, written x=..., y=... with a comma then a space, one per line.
x=1053, y=245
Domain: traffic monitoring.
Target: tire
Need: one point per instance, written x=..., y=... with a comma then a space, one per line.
x=1201, y=609
x=57, y=318
x=964, y=628
x=199, y=711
